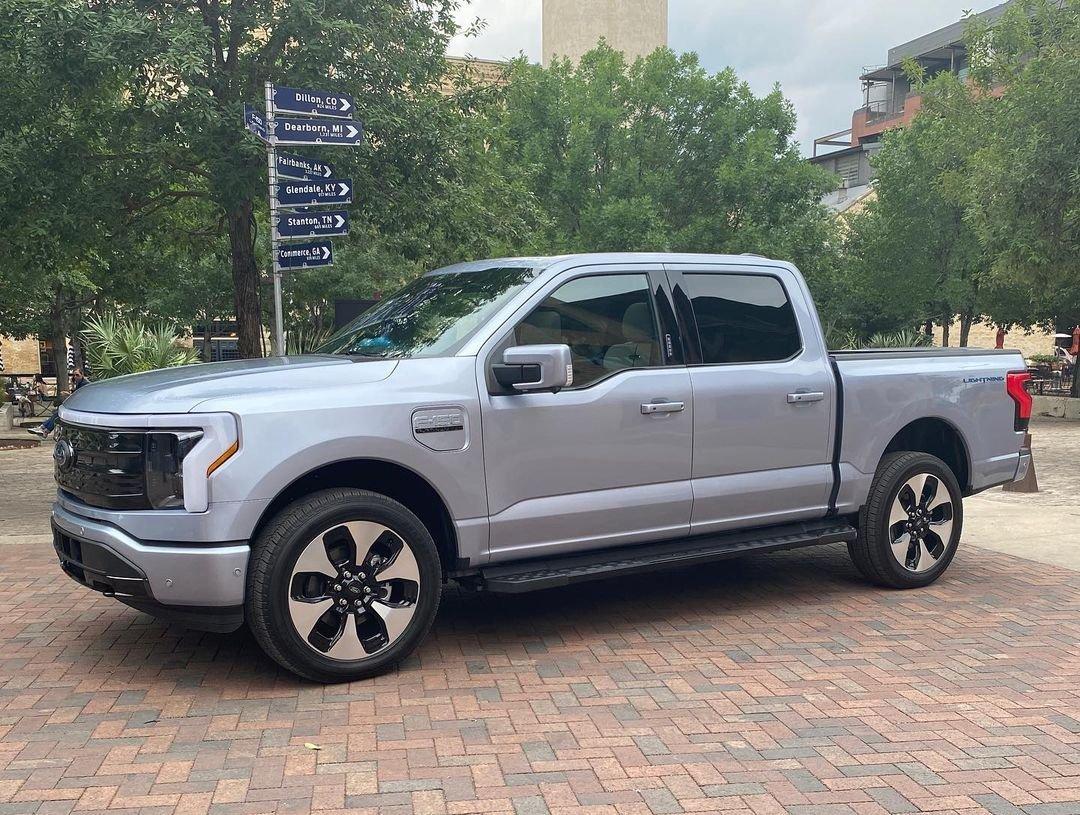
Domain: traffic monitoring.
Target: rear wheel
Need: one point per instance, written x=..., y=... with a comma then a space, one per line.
x=343, y=585
x=911, y=524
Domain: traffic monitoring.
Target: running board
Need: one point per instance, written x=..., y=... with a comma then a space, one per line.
x=532, y=575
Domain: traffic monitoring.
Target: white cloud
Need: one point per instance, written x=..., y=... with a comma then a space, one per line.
x=815, y=50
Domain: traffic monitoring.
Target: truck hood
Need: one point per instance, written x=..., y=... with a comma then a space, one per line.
x=181, y=390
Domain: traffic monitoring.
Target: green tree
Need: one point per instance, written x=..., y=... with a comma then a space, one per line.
x=660, y=155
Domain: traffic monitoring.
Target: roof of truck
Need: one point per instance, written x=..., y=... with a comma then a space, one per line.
x=542, y=262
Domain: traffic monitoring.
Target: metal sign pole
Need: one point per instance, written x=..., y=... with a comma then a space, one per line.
x=271, y=174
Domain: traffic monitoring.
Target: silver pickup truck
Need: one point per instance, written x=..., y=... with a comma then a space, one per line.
x=515, y=425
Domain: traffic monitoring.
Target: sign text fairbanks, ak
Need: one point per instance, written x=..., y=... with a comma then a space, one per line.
x=317, y=131
x=314, y=224
x=291, y=165
x=305, y=255
x=312, y=103
x=314, y=193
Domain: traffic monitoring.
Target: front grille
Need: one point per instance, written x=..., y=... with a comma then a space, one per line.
x=106, y=468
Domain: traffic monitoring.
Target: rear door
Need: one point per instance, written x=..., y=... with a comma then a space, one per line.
x=606, y=461
x=763, y=396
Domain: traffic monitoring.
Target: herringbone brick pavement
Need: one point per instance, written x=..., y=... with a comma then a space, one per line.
x=778, y=683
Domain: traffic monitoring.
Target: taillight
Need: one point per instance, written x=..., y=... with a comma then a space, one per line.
x=1016, y=386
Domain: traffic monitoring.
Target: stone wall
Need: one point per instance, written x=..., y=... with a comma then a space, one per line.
x=573, y=27
x=20, y=356
x=985, y=336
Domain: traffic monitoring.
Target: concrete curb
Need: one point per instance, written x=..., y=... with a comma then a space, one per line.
x=1057, y=407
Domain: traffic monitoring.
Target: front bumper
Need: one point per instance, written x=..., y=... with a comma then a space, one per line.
x=107, y=559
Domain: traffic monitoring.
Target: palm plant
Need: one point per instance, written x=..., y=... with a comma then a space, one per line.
x=904, y=338
x=115, y=347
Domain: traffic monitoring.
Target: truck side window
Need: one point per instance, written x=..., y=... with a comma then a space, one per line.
x=607, y=320
x=742, y=318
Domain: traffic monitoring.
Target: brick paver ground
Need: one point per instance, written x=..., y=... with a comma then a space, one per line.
x=778, y=683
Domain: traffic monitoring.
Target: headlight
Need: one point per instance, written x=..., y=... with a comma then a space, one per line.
x=165, y=453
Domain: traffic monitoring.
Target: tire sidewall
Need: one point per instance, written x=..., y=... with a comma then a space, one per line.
x=308, y=524
x=925, y=463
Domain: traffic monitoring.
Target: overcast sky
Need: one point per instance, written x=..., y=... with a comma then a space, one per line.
x=814, y=49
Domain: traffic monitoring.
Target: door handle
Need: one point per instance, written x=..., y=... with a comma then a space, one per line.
x=650, y=408
x=804, y=396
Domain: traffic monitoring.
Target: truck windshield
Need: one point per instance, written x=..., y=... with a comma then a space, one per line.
x=432, y=316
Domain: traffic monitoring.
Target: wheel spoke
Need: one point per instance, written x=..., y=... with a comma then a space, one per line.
x=900, y=548
x=402, y=566
x=314, y=559
x=926, y=557
x=899, y=515
x=395, y=618
x=364, y=534
x=305, y=614
x=348, y=645
x=929, y=492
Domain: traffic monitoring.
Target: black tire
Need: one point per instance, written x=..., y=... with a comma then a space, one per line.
x=872, y=552
x=270, y=574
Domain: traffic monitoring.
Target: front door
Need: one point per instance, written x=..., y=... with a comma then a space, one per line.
x=606, y=461
x=763, y=398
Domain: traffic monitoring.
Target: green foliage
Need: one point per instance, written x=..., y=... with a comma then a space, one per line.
x=904, y=338
x=115, y=348
x=978, y=207
x=659, y=155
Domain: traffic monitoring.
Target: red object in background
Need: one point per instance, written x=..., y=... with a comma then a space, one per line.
x=1076, y=342
x=1000, y=341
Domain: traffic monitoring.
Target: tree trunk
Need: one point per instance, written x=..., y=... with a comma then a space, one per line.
x=58, y=334
x=946, y=325
x=245, y=274
x=1075, y=392
x=208, y=335
x=965, y=329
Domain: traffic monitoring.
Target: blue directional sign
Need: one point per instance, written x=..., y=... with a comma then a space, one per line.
x=314, y=224
x=291, y=165
x=255, y=122
x=317, y=131
x=313, y=103
x=305, y=255
x=313, y=193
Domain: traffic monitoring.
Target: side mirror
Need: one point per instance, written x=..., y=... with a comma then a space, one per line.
x=535, y=368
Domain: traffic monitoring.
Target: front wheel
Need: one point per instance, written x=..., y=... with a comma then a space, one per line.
x=343, y=585
x=911, y=524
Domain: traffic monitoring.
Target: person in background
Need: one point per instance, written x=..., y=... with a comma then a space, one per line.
x=78, y=379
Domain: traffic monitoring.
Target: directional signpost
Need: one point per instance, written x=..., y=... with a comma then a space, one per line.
x=313, y=103
x=322, y=118
x=305, y=255
x=315, y=224
x=313, y=193
x=290, y=165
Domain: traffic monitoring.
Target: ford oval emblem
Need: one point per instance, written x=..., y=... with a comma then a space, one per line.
x=64, y=455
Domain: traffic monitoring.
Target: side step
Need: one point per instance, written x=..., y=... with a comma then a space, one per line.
x=547, y=573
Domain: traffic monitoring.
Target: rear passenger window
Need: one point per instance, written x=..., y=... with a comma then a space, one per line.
x=742, y=318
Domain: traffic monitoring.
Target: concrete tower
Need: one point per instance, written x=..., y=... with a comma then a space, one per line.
x=572, y=27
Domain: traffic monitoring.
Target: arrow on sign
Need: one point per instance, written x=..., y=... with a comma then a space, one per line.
x=312, y=103
x=305, y=255
x=317, y=131
x=314, y=193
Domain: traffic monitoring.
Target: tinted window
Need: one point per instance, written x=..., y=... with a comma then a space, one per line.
x=606, y=320
x=742, y=318
x=431, y=317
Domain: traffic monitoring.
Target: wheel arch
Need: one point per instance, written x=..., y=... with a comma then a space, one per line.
x=938, y=437
x=388, y=478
